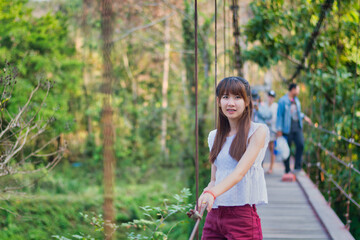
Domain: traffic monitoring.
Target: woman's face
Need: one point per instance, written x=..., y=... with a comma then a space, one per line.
x=232, y=105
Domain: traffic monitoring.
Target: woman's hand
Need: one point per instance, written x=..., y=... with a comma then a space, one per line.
x=205, y=198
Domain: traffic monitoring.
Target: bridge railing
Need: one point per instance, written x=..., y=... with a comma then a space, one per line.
x=325, y=166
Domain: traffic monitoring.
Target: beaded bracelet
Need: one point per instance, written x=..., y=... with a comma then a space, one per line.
x=210, y=192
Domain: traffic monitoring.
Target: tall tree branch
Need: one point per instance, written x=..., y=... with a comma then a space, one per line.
x=327, y=6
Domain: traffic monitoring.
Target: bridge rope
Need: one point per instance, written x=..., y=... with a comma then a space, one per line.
x=333, y=156
x=196, y=108
x=350, y=140
x=348, y=196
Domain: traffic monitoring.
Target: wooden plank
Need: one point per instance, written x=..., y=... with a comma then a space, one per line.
x=326, y=214
x=288, y=214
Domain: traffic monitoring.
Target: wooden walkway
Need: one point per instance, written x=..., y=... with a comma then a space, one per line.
x=289, y=215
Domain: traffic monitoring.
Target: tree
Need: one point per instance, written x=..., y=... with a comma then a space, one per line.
x=40, y=48
x=238, y=58
x=18, y=129
x=39, y=45
x=106, y=117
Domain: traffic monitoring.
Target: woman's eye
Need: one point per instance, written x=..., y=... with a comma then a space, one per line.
x=225, y=96
x=238, y=97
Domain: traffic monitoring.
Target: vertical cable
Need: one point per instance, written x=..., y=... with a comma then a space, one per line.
x=215, y=61
x=224, y=32
x=230, y=57
x=196, y=108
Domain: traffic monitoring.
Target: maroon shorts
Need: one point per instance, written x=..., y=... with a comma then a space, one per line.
x=238, y=222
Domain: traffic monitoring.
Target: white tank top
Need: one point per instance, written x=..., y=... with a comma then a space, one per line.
x=252, y=188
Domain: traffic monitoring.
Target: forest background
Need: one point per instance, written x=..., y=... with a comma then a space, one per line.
x=51, y=169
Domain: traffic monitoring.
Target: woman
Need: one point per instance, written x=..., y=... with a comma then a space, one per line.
x=237, y=149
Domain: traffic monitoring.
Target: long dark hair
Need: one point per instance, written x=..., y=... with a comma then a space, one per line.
x=237, y=86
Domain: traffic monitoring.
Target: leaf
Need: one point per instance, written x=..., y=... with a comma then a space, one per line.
x=77, y=236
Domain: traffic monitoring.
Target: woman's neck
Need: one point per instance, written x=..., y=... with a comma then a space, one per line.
x=233, y=127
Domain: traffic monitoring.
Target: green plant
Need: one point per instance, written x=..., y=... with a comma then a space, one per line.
x=96, y=220
x=154, y=224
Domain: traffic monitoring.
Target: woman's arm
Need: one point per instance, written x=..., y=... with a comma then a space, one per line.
x=257, y=142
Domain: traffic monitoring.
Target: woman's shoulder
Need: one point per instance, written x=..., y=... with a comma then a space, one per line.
x=212, y=133
x=211, y=138
x=255, y=125
x=260, y=131
x=262, y=127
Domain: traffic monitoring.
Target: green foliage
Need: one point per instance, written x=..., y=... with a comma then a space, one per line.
x=49, y=214
x=43, y=46
x=40, y=47
x=189, y=43
x=280, y=28
x=154, y=226
x=96, y=221
x=42, y=216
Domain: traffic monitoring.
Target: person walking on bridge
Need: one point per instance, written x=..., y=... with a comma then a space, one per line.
x=289, y=124
x=273, y=106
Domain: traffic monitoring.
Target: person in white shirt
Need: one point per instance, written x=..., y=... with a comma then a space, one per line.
x=237, y=149
x=273, y=106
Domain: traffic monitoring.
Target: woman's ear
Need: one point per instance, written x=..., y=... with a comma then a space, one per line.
x=218, y=102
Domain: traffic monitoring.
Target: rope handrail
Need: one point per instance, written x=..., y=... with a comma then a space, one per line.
x=332, y=154
x=320, y=128
x=329, y=176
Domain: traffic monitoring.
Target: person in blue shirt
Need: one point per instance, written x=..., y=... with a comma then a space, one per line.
x=289, y=123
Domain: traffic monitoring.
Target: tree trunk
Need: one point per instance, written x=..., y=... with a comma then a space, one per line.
x=106, y=117
x=164, y=150
x=237, y=57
